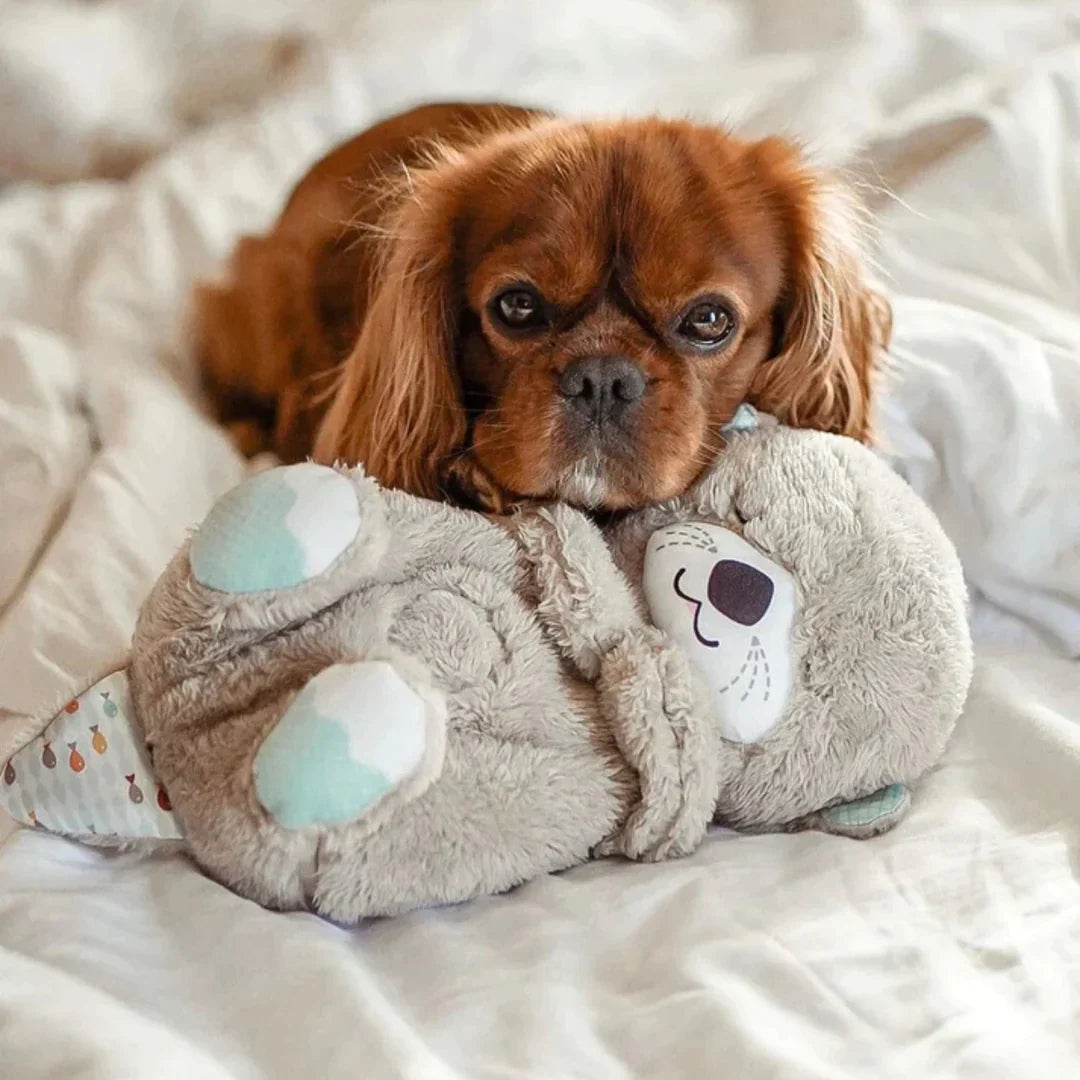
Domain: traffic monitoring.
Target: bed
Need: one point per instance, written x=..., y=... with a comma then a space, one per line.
x=948, y=948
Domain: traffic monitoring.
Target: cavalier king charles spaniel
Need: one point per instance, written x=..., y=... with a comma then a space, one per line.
x=490, y=305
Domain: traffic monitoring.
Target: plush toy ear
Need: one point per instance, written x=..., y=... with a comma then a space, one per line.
x=860, y=819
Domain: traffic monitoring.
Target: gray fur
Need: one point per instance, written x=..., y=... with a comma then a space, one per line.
x=574, y=728
x=882, y=647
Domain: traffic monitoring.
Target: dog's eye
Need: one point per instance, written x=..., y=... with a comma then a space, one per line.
x=519, y=308
x=707, y=324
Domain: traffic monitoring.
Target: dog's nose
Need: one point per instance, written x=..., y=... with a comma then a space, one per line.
x=739, y=591
x=602, y=387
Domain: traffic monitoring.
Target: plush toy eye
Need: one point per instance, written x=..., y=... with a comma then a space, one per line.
x=707, y=324
x=519, y=308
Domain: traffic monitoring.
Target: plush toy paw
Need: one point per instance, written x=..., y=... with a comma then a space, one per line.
x=666, y=734
x=276, y=530
x=352, y=737
x=863, y=818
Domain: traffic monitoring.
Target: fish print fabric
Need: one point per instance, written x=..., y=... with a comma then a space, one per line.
x=86, y=773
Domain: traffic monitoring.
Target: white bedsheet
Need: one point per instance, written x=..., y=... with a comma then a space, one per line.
x=950, y=947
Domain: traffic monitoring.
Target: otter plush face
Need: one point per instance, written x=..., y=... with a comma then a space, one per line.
x=731, y=609
x=823, y=608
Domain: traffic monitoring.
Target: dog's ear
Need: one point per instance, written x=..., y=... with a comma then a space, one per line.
x=831, y=326
x=397, y=407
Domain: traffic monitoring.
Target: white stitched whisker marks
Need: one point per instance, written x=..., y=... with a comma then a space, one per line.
x=691, y=536
x=699, y=531
x=765, y=663
x=739, y=674
x=755, y=655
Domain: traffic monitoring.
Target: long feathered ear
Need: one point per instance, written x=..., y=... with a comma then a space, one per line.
x=833, y=328
x=397, y=407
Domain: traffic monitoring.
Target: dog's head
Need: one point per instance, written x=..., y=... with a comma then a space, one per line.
x=573, y=310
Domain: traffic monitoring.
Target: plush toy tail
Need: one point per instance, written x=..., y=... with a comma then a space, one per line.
x=85, y=775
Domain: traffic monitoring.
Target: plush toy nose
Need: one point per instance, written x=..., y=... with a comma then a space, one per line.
x=739, y=591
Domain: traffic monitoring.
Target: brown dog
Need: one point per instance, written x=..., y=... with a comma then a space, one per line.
x=487, y=304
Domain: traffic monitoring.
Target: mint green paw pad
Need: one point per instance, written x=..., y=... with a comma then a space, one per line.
x=869, y=816
x=276, y=530
x=352, y=735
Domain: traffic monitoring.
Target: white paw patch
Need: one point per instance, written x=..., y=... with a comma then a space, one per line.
x=276, y=530
x=352, y=735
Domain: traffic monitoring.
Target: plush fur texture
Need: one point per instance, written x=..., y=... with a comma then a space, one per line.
x=573, y=727
x=881, y=647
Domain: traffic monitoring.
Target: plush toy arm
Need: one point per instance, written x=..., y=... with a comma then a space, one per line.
x=582, y=597
x=647, y=693
x=665, y=731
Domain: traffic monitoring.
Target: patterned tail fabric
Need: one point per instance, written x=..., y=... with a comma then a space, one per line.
x=89, y=774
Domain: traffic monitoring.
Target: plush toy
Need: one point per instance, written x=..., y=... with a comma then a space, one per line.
x=362, y=702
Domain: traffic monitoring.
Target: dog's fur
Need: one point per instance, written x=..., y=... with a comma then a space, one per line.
x=363, y=327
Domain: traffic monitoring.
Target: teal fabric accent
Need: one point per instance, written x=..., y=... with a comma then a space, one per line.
x=244, y=545
x=304, y=774
x=871, y=810
x=745, y=418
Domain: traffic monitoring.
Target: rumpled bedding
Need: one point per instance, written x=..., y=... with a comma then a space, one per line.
x=948, y=948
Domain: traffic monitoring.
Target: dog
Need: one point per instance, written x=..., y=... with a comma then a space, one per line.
x=490, y=304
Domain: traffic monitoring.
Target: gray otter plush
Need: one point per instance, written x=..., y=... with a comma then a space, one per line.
x=363, y=702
